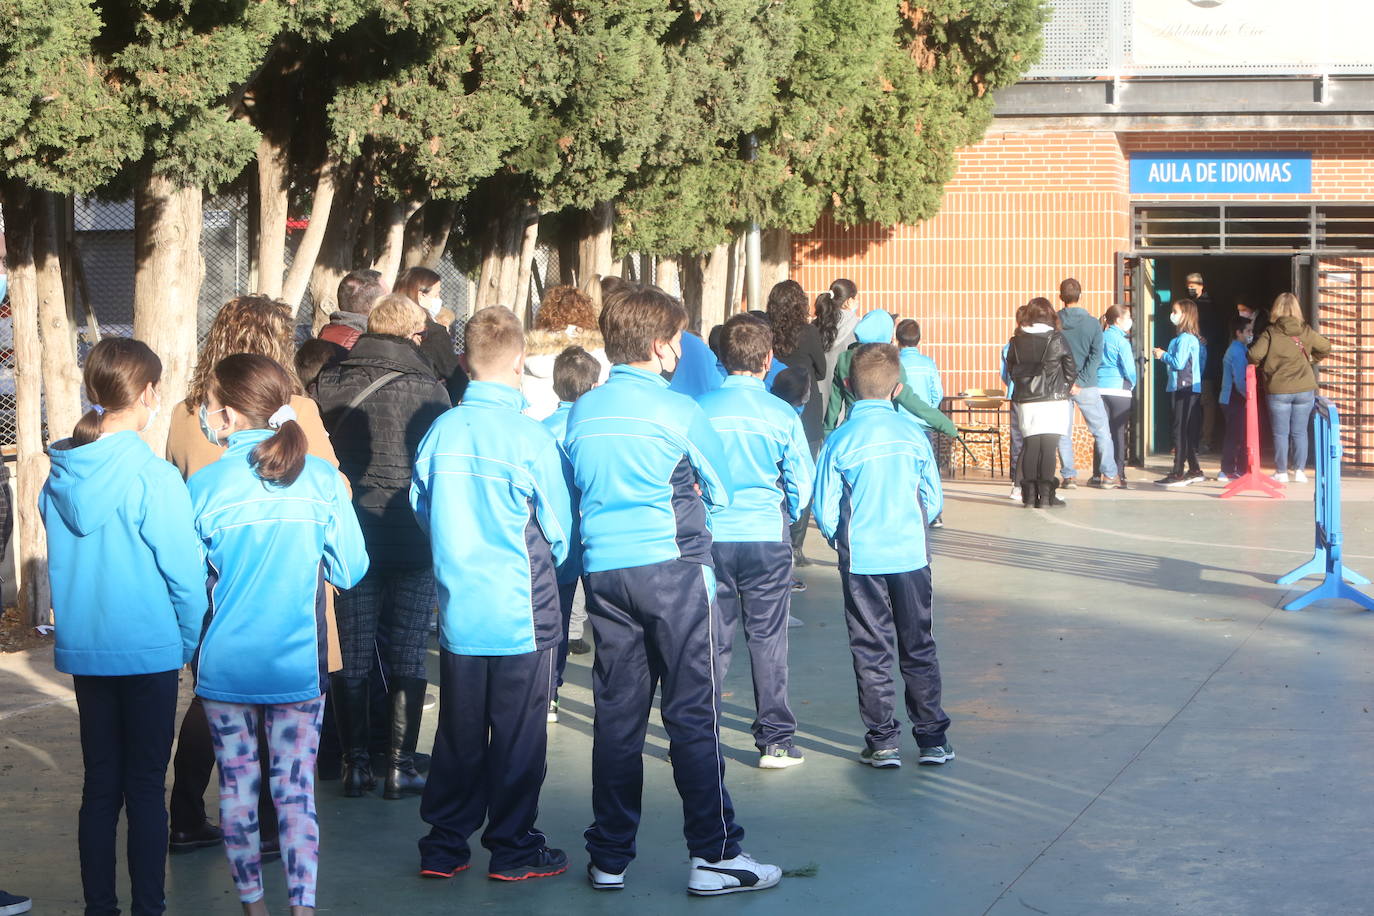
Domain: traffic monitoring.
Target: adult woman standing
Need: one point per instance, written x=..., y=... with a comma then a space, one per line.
x=797, y=345
x=834, y=316
x=128, y=595
x=275, y=524
x=1042, y=370
x=566, y=318
x=378, y=403
x=1116, y=383
x=1287, y=352
x=246, y=324
x=424, y=287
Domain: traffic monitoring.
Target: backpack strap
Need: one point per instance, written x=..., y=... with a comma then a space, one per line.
x=380, y=382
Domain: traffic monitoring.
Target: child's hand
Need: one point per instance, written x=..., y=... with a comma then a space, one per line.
x=1159, y=351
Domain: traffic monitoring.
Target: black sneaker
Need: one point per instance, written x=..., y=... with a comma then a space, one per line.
x=13, y=904
x=545, y=864
x=203, y=837
x=1197, y=477
x=1068, y=483
x=1094, y=481
x=1169, y=480
x=579, y=646
x=1121, y=482
x=441, y=872
x=938, y=522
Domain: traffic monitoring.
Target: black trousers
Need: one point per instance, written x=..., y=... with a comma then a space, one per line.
x=1118, y=417
x=489, y=758
x=127, y=724
x=1039, y=456
x=754, y=583
x=1187, y=430
x=655, y=624
x=1235, y=452
x=567, y=591
x=193, y=766
x=880, y=611
x=798, y=530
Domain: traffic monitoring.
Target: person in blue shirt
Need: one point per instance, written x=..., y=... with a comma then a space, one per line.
x=1235, y=456
x=276, y=524
x=575, y=372
x=921, y=375
x=1116, y=383
x=771, y=471
x=491, y=491
x=876, y=483
x=128, y=598
x=649, y=469
x=1185, y=359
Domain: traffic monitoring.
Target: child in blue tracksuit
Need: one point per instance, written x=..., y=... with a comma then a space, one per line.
x=575, y=372
x=876, y=483
x=276, y=524
x=771, y=471
x=490, y=489
x=128, y=598
x=1235, y=456
x=648, y=468
x=1185, y=359
x=921, y=376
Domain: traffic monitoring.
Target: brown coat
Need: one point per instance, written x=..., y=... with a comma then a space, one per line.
x=189, y=450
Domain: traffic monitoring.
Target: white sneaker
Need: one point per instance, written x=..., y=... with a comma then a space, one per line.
x=604, y=880
x=1281, y=478
x=1222, y=478
x=1015, y=493
x=1299, y=477
x=728, y=876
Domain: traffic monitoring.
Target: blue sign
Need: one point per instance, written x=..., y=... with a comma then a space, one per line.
x=1221, y=173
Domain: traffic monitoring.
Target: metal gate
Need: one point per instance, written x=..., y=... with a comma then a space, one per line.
x=1344, y=315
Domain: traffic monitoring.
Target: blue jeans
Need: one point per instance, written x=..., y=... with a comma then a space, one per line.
x=1095, y=415
x=1289, y=415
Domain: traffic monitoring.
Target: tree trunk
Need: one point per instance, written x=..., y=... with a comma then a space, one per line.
x=715, y=286
x=594, y=243
x=308, y=251
x=273, y=187
x=669, y=277
x=57, y=326
x=336, y=253
x=31, y=548
x=529, y=237
x=427, y=234
x=168, y=270
x=390, y=238
x=690, y=270
x=500, y=254
x=777, y=258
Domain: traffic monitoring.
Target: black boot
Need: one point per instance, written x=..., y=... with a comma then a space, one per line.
x=1047, y=496
x=407, y=705
x=349, y=697
x=1027, y=493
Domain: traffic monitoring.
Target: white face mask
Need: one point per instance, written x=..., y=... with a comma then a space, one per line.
x=432, y=306
x=152, y=414
x=1249, y=339
x=1175, y=318
x=1126, y=324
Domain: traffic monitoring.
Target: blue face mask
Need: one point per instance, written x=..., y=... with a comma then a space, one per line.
x=210, y=432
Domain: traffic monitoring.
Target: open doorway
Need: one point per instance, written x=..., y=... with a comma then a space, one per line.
x=1228, y=280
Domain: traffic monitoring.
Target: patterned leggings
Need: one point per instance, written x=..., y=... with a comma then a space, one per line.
x=293, y=736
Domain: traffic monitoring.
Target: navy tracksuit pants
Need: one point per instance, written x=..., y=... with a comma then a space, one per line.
x=652, y=624
x=881, y=610
x=754, y=583
x=566, y=592
x=489, y=758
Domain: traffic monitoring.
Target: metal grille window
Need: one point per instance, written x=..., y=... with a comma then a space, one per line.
x=1253, y=227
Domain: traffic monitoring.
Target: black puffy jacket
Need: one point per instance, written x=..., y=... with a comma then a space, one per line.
x=376, y=443
x=1041, y=367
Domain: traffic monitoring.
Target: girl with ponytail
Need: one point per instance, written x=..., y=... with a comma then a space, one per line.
x=276, y=523
x=835, y=318
x=128, y=597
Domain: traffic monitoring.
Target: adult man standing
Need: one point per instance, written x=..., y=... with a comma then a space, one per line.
x=1084, y=335
x=358, y=290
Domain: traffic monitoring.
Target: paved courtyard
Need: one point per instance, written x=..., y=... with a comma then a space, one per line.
x=1139, y=728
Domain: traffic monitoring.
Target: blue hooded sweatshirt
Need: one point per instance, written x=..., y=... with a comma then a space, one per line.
x=127, y=574
x=490, y=488
x=271, y=549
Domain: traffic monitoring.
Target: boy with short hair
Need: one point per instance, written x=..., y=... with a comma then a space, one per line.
x=876, y=482
x=878, y=327
x=489, y=488
x=770, y=467
x=922, y=376
x=648, y=466
x=575, y=372
x=1235, y=459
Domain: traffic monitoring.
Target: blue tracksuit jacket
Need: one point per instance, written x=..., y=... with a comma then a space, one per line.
x=270, y=549
x=570, y=570
x=1117, y=369
x=922, y=376
x=639, y=452
x=127, y=575
x=876, y=485
x=768, y=458
x=1233, y=371
x=490, y=490
x=1185, y=360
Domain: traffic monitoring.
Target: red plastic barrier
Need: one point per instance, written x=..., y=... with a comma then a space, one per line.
x=1253, y=478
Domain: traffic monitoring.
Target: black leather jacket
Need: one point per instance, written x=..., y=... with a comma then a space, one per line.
x=1041, y=367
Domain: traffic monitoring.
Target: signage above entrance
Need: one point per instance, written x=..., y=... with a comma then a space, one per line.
x=1221, y=173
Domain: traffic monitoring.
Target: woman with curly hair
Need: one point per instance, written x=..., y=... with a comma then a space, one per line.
x=262, y=326
x=566, y=317
x=797, y=345
x=835, y=318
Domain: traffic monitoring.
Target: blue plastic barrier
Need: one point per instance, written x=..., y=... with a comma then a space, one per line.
x=1326, y=561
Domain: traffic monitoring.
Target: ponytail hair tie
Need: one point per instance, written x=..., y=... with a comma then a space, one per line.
x=99, y=411
x=284, y=413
